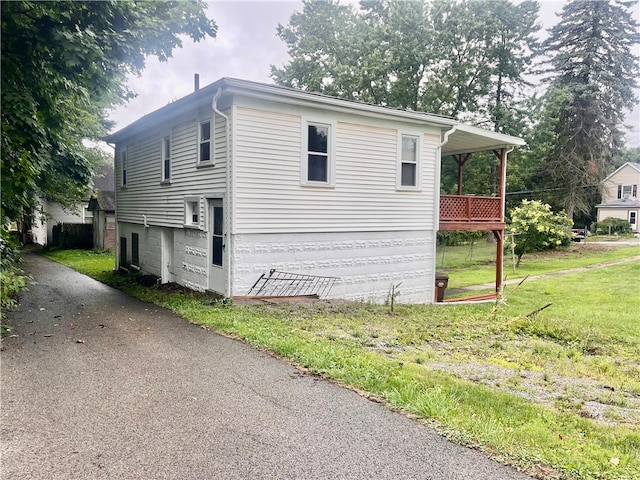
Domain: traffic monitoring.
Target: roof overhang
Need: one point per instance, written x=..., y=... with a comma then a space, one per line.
x=468, y=139
x=461, y=139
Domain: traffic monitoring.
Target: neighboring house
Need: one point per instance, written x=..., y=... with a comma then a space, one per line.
x=103, y=206
x=240, y=178
x=620, y=195
x=49, y=214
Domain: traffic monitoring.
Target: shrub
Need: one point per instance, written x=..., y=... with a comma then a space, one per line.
x=459, y=237
x=537, y=228
x=12, y=278
x=613, y=225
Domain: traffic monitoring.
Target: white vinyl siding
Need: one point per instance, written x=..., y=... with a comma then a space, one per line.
x=269, y=197
x=163, y=204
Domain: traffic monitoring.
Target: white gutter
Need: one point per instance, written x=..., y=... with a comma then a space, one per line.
x=227, y=204
x=436, y=190
x=436, y=200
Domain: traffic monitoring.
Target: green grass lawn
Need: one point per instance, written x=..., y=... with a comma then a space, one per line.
x=558, y=391
x=467, y=265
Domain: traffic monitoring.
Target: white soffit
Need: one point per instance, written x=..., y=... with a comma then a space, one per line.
x=468, y=139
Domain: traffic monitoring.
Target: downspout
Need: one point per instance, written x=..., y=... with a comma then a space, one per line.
x=227, y=207
x=436, y=199
x=438, y=172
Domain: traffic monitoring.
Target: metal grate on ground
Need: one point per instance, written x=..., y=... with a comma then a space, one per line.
x=287, y=284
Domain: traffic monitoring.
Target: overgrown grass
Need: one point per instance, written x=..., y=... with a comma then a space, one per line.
x=517, y=387
x=466, y=268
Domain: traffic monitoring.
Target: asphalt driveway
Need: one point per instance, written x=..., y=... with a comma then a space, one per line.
x=97, y=385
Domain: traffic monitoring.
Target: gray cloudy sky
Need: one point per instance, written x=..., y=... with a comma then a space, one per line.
x=245, y=47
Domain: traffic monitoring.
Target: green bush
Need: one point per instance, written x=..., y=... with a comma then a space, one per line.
x=460, y=237
x=537, y=228
x=12, y=278
x=613, y=225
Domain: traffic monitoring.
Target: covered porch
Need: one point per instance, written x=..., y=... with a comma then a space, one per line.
x=465, y=211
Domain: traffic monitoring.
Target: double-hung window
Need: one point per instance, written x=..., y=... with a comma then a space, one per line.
x=204, y=142
x=408, y=170
x=318, y=159
x=318, y=153
x=166, y=158
x=627, y=191
x=123, y=167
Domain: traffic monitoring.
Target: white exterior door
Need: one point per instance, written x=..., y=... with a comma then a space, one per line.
x=217, y=267
x=633, y=220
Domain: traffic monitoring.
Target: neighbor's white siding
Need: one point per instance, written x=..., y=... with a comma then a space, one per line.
x=270, y=198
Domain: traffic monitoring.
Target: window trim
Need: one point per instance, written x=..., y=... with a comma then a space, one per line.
x=189, y=210
x=209, y=162
x=165, y=157
x=418, y=161
x=331, y=152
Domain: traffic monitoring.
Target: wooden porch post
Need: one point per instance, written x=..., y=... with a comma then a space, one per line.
x=499, y=234
x=460, y=160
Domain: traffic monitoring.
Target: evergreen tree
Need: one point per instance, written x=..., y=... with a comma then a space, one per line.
x=592, y=85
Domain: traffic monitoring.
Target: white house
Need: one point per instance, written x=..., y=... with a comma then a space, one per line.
x=239, y=178
x=620, y=195
x=50, y=214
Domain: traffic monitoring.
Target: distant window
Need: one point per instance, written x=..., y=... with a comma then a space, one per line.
x=123, y=165
x=135, y=249
x=204, y=142
x=192, y=212
x=408, y=173
x=166, y=158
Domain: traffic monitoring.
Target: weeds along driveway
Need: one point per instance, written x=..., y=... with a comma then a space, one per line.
x=99, y=385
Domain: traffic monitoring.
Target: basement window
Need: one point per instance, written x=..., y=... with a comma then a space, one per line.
x=192, y=212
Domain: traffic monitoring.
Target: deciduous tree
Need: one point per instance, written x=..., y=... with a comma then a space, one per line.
x=63, y=66
x=537, y=228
